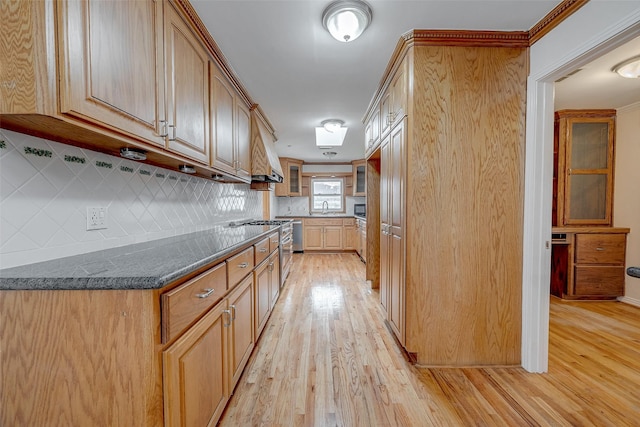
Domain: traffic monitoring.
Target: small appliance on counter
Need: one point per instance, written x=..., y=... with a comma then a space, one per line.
x=360, y=210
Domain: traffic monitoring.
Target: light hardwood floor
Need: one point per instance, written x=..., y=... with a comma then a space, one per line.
x=326, y=359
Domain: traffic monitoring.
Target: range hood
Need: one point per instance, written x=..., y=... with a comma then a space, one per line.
x=265, y=164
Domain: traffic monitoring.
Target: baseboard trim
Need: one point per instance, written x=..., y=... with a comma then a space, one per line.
x=629, y=300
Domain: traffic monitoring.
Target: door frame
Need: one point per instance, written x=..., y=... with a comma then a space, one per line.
x=538, y=184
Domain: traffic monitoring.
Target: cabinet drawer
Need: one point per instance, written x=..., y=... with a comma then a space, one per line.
x=274, y=241
x=349, y=221
x=181, y=306
x=600, y=248
x=596, y=280
x=262, y=250
x=323, y=221
x=238, y=266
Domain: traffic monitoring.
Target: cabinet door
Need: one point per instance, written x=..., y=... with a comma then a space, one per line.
x=360, y=179
x=262, y=277
x=187, y=79
x=350, y=241
x=195, y=372
x=243, y=142
x=385, y=113
x=396, y=287
x=332, y=237
x=222, y=105
x=241, y=336
x=295, y=178
x=313, y=237
x=222, y=99
x=111, y=65
x=398, y=95
x=274, y=282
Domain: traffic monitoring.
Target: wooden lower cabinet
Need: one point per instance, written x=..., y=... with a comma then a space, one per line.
x=588, y=262
x=196, y=388
x=323, y=234
x=241, y=337
x=266, y=289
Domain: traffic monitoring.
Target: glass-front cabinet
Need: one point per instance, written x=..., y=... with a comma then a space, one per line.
x=292, y=182
x=583, y=170
x=359, y=177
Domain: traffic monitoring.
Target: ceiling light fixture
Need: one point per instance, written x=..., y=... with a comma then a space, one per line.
x=133, y=154
x=332, y=125
x=329, y=154
x=629, y=68
x=346, y=20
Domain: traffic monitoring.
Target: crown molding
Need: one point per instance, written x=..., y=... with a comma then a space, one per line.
x=559, y=13
x=467, y=38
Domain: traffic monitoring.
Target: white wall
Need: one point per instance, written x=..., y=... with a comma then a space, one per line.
x=598, y=26
x=43, y=200
x=626, y=198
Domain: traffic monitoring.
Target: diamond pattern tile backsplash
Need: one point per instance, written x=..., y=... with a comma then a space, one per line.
x=46, y=187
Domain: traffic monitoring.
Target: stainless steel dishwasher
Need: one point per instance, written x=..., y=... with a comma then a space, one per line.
x=297, y=236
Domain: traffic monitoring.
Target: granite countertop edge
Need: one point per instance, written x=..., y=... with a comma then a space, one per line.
x=168, y=270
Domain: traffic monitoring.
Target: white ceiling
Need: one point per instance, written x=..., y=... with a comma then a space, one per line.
x=301, y=76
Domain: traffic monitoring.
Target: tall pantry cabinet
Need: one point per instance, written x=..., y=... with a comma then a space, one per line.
x=449, y=166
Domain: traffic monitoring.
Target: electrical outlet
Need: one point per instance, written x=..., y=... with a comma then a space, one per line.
x=96, y=218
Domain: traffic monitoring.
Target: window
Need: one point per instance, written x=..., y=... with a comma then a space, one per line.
x=329, y=190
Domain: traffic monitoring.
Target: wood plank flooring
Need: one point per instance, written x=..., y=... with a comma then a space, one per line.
x=326, y=359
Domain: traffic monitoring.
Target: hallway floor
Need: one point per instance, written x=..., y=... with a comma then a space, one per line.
x=326, y=359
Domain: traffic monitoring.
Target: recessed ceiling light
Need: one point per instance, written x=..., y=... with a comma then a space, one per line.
x=629, y=68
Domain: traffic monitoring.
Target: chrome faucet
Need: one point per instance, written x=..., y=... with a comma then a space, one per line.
x=325, y=207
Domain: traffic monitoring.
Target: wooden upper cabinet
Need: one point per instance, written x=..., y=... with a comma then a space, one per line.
x=187, y=80
x=111, y=65
x=231, y=128
x=583, y=170
x=359, y=177
x=222, y=106
x=292, y=181
x=243, y=141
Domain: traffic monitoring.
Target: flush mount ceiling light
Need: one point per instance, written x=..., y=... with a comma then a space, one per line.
x=330, y=134
x=187, y=169
x=346, y=20
x=329, y=154
x=133, y=154
x=332, y=125
x=629, y=68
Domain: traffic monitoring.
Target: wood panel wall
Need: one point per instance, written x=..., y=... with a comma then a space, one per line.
x=465, y=193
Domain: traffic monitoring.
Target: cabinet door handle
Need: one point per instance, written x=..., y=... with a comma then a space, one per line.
x=173, y=131
x=233, y=310
x=243, y=265
x=263, y=250
x=599, y=249
x=228, y=313
x=271, y=267
x=207, y=293
x=163, y=133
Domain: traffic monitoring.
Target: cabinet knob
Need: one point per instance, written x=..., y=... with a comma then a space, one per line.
x=207, y=293
x=243, y=265
x=263, y=250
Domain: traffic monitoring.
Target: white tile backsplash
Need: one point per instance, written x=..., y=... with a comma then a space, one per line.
x=46, y=187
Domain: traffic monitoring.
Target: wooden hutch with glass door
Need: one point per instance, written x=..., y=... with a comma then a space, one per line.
x=588, y=253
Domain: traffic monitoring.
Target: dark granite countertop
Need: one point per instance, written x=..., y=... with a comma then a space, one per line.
x=633, y=271
x=148, y=265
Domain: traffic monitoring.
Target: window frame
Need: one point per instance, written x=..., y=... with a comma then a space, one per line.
x=312, y=194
